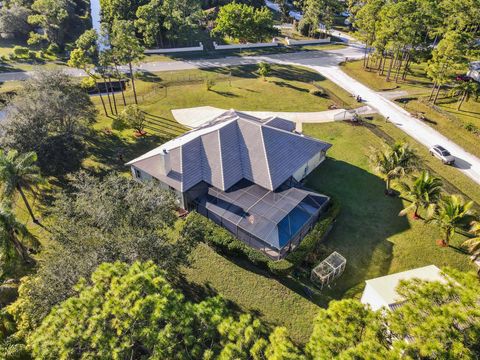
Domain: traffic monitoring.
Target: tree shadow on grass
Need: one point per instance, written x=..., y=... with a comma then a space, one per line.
x=225, y=93
x=367, y=219
x=290, y=86
x=284, y=72
x=114, y=151
x=148, y=76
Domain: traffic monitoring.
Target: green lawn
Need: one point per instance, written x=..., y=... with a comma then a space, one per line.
x=444, y=117
x=369, y=233
x=242, y=90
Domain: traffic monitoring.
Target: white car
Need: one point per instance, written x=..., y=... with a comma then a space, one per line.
x=443, y=154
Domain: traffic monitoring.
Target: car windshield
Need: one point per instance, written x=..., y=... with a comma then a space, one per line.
x=445, y=153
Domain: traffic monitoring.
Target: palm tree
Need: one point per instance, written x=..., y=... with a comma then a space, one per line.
x=464, y=89
x=394, y=162
x=452, y=211
x=473, y=245
x=423, y=193
x=18, y=172
x=14, y=234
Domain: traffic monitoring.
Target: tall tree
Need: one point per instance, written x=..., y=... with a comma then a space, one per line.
x=393, y=162
x=98, y=221
x=447, y=58
x=14, y=236
x=85, y=57
x=19, y=173
x=438, y=320
x=50, y=112
x=465, y=90
x=149, y=23
x=133, y=312
x=126, y=47
x=347, y=327
x=423, y=193
x=452, y=212
x=244, y=23
x=14, y=20
x=51, y=16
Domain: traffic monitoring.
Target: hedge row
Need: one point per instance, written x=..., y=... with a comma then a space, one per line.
x=198, y=228
x=315, y=236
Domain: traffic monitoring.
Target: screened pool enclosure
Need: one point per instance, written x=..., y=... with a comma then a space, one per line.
x=272, y=221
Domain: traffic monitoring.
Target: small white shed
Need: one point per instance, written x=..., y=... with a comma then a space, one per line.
x=381, y=292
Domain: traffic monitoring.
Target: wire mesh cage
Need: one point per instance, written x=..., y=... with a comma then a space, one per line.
x=328, y=270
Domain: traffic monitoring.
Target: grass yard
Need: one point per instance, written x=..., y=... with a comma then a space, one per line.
x=254, y=290
x=369, y=232
x=444, y=117
x=237, y=87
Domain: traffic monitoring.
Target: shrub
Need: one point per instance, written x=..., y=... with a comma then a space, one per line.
x=311, y=242
x=53, y=49
x=21, y=52
x=264, y=69
x=197, y=228
x=317, y=92
x=281, y=267
x=209, y=84
x=200, y=229
x=472, y=128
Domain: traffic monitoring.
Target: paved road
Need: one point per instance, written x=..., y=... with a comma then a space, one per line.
x=326, y=63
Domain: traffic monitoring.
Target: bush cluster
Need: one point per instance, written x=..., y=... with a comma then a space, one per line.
x=197, y=228
x=317, y=92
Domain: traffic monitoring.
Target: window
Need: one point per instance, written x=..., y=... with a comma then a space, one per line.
x=138, y=174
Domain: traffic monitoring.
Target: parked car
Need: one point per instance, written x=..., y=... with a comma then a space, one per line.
x=443, y=154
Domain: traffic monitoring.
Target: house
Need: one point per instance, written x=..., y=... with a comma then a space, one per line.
x=243, y=173
x=381, y=292
x=474, y=70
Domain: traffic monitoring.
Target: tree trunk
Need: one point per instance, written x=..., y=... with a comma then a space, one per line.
x=24, y=198
x=121, y=86
x=108, y=95
x=436, y=95
x=399, y=67
x=365, y=56
x=405, y=69
x=433, y=90
x=133, y=83
x=19, y=247
x=390, y=67
x=113, y=95
x=462, y=100
x=101, y=98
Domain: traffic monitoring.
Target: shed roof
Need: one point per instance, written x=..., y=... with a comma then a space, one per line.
x=385, y=286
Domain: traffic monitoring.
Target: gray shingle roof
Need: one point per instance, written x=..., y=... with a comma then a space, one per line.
x=231, y=147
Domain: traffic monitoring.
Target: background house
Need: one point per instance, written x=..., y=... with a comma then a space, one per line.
x=243, y=173
x=381, y=292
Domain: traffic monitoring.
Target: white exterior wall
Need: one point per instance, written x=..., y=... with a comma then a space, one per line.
x=309, y=166
x=306, y=42
x=175, y=50
x=372, y=298
x=243, y=46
